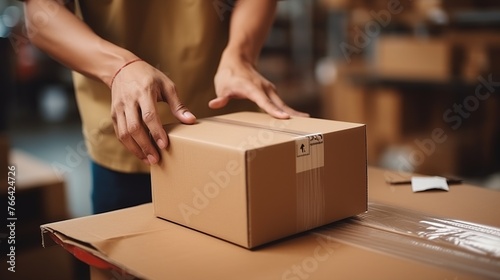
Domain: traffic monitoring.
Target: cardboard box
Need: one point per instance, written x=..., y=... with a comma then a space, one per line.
x=381, y=109
x=134, y=242
x=413, y=59
x=250, y=179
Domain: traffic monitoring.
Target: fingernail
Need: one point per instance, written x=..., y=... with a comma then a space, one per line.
x=188, y=114
x=146, y=161
x=161, y=144
x=284, y=114
x=152, y=160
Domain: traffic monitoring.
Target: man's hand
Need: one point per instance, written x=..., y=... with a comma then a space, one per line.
x=238, y=79
x=134, y=92
x=135, y=89
x=236, y=76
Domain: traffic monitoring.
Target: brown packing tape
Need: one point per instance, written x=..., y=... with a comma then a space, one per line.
x=247, y=124
x=310, y=187
x=310, y=191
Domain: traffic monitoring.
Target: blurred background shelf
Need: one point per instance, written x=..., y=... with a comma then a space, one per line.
x=40, y=197
x=397, y=66
x=410, y=70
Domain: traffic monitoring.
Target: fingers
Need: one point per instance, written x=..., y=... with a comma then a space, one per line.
x=125, y=137
x=135, y=117
x=178, y=109
x=138, y=128
x=267, y=104
x=218, y=102
x=273, y=96
x=265, y=97
x=133, y=125
x=143, y=117
x=148, y=120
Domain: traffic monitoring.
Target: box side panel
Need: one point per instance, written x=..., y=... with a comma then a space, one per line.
x=271, y=193
x=202, y=187
x=345, y=174
x=286, y=199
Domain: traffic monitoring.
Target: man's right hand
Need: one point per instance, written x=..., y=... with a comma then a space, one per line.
x=134, y=92
x=136, y=88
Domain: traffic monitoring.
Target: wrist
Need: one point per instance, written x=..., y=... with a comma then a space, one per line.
x=113, y=60
x=121, y=68
x=232, y=56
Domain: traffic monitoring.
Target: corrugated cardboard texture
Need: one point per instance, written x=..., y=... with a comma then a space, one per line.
x=237, y=176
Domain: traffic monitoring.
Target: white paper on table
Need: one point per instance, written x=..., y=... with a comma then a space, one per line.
x=419, y=184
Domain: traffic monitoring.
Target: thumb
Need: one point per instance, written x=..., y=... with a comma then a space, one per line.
x=218, y=102
x=184, y=115
x=179, y=110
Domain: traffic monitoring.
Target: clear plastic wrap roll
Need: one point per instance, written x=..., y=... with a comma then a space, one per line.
x=454, y=244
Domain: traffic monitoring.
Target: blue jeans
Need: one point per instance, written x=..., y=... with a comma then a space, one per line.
x=112, y=190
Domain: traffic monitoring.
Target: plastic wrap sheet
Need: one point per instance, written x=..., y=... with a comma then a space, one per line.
x=454, y=244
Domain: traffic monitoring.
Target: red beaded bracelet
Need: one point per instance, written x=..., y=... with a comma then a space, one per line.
x=120, y=69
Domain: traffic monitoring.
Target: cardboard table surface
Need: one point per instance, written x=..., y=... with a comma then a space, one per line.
x=135, y=241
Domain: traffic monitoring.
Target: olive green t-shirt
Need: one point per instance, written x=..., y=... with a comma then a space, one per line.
x=182, y=38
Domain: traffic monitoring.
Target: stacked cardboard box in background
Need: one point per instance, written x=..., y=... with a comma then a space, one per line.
x=420, y=128
x=414, y=59
x=420, y=69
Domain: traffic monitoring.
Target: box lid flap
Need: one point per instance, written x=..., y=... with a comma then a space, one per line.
x=251, y=130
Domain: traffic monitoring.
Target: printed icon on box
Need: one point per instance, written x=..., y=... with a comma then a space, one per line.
x=302, y=147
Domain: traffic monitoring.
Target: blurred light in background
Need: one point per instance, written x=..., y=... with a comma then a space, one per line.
x=10, y=17
x=54, y=104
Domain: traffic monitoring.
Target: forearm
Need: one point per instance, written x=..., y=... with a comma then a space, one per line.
x=70, y=41
x=250, y=24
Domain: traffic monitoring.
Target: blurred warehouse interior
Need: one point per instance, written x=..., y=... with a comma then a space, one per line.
x=424, y=75
x=407, y=69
